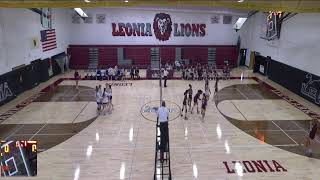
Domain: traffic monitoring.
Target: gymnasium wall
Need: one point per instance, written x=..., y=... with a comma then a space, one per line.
x=17, y=29
x=297, y=47
x=137, y=48
x=101, y=34
x=141, y=55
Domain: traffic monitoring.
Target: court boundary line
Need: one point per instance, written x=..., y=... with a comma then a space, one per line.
x=37, y=131
x=285, y=132
x=20, y=105
x=238, y=110
x=302, y=129
x=14, y=131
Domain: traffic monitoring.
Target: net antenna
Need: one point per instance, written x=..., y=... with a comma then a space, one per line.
x=160, y=79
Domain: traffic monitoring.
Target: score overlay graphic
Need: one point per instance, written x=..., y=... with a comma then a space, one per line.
x=18, y=158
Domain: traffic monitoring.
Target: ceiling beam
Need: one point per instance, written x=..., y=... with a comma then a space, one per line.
x=261, y=5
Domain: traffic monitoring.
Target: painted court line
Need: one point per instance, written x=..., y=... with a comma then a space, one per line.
x=38, y=131
x=239, y=110
x=209, y=147
x=47, y=134
x=284, y=132
x=242, y=93
x=305, y=130
x=13, y=132
x=80, y=112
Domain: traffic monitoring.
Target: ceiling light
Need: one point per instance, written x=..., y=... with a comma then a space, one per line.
x=126, y=1
x=239, y=23
x=86, y=1
x=240, y=1
x=80, y=12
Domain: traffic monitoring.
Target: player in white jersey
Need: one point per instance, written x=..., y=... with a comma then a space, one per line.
x=109, y=93
x=105, y=100
x=98, y=96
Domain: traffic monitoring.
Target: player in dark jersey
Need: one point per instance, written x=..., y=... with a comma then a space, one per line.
x=195, y=101
x=311, y=136
x=190, y=96
x=77, y=77
x=204, y=104
x=215, y=89
x=184, y=104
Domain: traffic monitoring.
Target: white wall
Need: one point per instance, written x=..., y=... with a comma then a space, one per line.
x=18, y=27
x=298, y=45
x=216, y=34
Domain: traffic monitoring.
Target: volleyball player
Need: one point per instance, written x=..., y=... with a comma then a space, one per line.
x=184, y=104
x=206, y=80
x=190, y=96
x=76, y=77
x=204, y=104
x=215, y=88
x=312, y=133
x=207, y=91
x=105, y=101
x=215, y=75
x=109, y=92
x=195, y=101
x=98, y=98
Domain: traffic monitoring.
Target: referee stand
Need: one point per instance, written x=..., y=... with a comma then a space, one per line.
x=162, y=169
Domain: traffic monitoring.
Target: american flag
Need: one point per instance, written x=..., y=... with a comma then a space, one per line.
x=48, y=39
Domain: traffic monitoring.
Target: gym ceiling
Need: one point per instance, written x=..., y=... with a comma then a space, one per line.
x=297, y=6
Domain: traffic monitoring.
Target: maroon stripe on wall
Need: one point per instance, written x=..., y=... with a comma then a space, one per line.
x=195, y=54
x=79, y=58
x=168, y=55
x=108, y=57
x=140, y=56
x=226, y=53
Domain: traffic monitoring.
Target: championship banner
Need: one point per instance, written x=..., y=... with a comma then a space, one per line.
x=46, y=18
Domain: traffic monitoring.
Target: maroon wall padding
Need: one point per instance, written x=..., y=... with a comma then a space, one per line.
x=140, y=56
x=168, y=55
x=79, y=58
x=108, y=57
x=195, y=54
x=226, y=53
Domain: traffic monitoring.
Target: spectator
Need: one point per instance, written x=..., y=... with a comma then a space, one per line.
x=132, y=73
x=178, y=65
x=110, y=73
x=136, y=72
x=183, y=73
x=103, y=74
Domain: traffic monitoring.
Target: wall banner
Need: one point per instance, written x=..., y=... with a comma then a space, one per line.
x=162, y=28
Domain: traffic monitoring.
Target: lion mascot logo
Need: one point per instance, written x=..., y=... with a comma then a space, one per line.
x=162, y=26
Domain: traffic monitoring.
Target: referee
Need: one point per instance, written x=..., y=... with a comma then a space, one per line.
x=165, y=74
x=163, y=117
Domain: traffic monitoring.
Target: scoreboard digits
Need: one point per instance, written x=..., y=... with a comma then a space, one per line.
x=18, y=158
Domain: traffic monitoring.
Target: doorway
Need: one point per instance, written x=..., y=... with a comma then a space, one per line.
x=243, y=54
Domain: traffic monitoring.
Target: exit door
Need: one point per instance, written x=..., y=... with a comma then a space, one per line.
x=243, y=53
